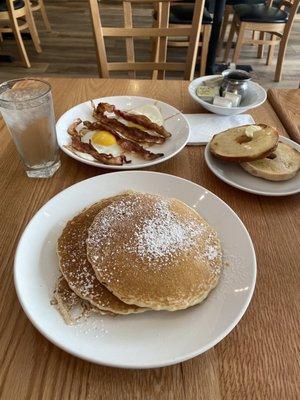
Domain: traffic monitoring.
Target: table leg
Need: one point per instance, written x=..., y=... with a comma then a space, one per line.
x=214, y=38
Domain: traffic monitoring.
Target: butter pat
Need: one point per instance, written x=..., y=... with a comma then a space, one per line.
x=206, y=93
x=234, y=98
x=213, y=82
x=251, y=129
x=221, y=101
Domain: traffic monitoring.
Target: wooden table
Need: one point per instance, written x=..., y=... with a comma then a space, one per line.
x=258, y=360
x=286, y=103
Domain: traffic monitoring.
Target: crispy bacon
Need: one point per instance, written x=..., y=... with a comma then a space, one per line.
x=136, y=119
x=127, y=145
x=134, y=134
x=72, y=131
x=133, y=147
x=107, y=159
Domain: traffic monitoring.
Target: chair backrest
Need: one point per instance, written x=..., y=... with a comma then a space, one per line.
x=160, y=34
x=292, y=8
x=287, y=3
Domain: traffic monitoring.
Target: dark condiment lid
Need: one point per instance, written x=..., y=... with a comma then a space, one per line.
x=236, y=75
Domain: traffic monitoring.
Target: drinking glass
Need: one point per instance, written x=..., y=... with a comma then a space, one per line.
x=27, y=108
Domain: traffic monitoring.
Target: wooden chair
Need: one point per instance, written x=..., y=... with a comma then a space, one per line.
x=15, y=16
x=39, y=5
x=264, y=19
x=181, y=15
x=227, y=15
x=161, y=33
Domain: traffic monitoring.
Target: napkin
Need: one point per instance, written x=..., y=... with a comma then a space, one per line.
x=204, y=126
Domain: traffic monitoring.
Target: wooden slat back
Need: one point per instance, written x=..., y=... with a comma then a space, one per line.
x=129, y=41
x=288, y=3
x=161, y=32
x=293, y=6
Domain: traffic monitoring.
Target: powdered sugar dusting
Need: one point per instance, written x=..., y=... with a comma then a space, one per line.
x=211, y=252
x=164, y=234
x=156, y=237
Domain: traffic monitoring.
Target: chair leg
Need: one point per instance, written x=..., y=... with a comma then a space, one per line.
x=204, y=49
x=32, y=28
x=280, y=58
x=228, y=11
x=230, y=39
x=271, y=51
x=1, y=37
x=239, y=43
x=45, y=16
x=19, y=40
x=155, y=41
x=260, y=50
x=253, y=36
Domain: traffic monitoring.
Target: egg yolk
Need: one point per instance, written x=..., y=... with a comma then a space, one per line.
x=103, y=138
x=133, y=125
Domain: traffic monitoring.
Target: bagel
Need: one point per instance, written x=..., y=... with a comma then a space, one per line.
x=245, y=143
x=281, y=165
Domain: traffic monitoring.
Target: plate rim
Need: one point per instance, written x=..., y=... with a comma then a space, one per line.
x=243, y=188
x=170, y=361
x=124, y=167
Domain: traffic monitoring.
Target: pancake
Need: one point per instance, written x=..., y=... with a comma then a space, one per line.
x=71, y=307
x=154, y=252
x=75, y=267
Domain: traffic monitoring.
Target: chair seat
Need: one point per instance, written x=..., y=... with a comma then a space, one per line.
x=236, y=2
x=184, y=15
x=260, y=13
x=17, y=4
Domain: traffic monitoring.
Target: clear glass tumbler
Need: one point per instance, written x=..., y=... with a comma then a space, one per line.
x=27, y=108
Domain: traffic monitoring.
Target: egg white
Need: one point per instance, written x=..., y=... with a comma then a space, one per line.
x=114, y=149
x=150, y=111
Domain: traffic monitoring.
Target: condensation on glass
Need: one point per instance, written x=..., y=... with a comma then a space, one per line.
x=27, y=108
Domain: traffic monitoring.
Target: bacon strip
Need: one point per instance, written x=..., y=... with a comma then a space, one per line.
x=133, y=147
x=107, y=159
x=127, y=132
x=127, y=145
x=72, y=131
x=136, y=119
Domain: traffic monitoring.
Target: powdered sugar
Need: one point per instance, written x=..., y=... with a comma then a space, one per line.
x=164, y=234
x=211, y=252
x=154, y=237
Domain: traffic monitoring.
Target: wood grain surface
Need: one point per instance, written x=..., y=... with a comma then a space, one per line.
x=259, y=359
x=286, y=103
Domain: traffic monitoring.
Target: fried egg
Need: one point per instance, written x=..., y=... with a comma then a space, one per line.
x=103, y=142
x=150, y=111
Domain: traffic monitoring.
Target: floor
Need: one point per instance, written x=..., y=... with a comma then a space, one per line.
x=69, y=49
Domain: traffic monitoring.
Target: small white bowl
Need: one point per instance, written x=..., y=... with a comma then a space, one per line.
x=256, y=95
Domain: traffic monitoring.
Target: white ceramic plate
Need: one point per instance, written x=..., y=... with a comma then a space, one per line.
x=236, y=176
x=175, y=123
x=255, y=97
x=151, y=339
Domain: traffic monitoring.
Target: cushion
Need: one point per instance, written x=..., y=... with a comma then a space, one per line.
x=184, y=15
x=17, y=4
x=235, y=2
x=260, y=13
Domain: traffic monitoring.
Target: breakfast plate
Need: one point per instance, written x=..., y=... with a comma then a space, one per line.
x=172, y=119
x=234, y=175
x=151, y=339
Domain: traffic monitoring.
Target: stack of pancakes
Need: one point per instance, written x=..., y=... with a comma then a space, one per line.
x=136, y=252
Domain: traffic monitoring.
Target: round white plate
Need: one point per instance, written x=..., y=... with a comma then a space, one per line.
x=151, y=339
x=256, y=95
x=236, y=176
x=175, y=123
